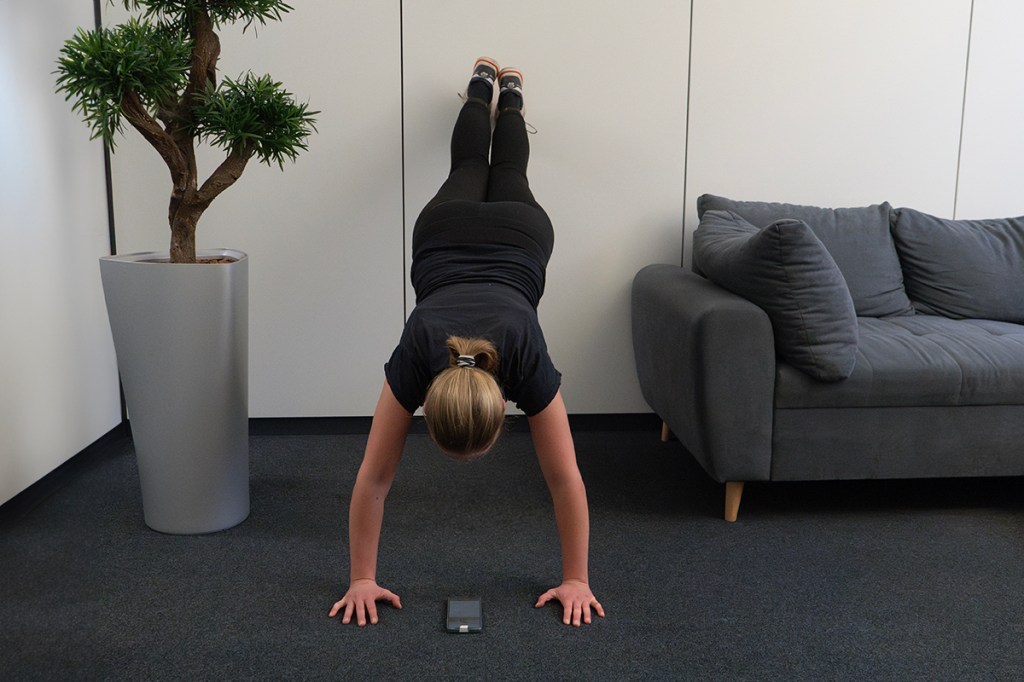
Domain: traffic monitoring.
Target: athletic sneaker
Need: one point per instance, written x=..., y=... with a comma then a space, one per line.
x=510, y=94
x=481, y=83
x=485, y=69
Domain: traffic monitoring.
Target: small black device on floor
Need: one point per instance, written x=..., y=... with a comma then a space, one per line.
x=465, y=614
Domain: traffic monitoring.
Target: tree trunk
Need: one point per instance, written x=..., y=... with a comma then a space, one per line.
x=186, y=203
x=183, y=233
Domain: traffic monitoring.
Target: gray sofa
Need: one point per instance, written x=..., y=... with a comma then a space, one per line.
x=854, y=343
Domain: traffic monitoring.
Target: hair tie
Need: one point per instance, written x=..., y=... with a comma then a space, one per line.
x=465, y=361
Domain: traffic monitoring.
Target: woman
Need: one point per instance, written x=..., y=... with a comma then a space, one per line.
x=480, y=249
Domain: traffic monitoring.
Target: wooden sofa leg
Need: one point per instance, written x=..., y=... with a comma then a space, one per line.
x=733, y=493
x=665, y=432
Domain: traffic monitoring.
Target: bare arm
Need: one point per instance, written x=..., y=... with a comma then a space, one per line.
x=557, y=456
x=384, y=448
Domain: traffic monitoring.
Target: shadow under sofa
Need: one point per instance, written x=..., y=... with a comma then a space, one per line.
x=919, y=383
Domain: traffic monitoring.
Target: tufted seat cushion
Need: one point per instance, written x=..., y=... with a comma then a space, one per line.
x=919, y=360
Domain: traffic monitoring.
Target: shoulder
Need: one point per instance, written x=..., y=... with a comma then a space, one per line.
x=532, y=379
x=417, y=358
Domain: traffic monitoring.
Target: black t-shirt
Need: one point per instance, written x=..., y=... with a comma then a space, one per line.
x=478, y=270
x=497, y=312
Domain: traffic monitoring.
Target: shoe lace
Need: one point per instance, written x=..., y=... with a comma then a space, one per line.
x=530, y=128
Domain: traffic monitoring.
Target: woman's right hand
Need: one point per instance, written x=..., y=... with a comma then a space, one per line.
x=361, y=599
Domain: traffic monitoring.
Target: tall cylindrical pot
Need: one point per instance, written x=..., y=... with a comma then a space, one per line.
x=181, y=334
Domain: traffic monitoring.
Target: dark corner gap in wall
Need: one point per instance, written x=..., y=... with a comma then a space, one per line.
x=109, y=187
x=963, y=112
x=112, y=235
x=401, y=106
x=686, y=140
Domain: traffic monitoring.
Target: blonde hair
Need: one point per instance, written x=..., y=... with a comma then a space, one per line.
x=464, y=408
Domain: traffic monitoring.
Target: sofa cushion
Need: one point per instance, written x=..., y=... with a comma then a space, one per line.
x=785, y=270
x=962, y=268
x=858, y=239
x=918, y=361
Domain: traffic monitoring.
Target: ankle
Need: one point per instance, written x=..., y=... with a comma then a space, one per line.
x=510, y=93
x=479, y=89
x=510, y=100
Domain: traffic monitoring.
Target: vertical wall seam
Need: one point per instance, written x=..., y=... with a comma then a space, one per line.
x=111, y=231
x=963, y=113
x=401, y=85
x=686, y=135
x=107, y=177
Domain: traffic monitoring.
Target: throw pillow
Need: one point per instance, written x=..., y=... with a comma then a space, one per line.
x=962, y=268
x=784, y=268
x=858, y=239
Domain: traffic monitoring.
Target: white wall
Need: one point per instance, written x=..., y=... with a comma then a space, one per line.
x=993, y=145
x=324, y=236
x=605, y=89
x=58, y=377
x=827, y=102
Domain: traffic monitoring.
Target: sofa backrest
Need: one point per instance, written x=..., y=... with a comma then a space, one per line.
x=858, y=239
x=962, y=268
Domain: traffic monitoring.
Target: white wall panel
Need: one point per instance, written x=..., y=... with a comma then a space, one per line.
x=58, y=377
x=826, y=102
x=605, y=86
x=325, y=235
x=991, y=175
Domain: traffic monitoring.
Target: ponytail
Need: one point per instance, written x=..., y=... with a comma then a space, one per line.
x=483, y=353
x=464, y=408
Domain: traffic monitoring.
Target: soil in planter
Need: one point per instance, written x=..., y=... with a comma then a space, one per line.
x=220, y=260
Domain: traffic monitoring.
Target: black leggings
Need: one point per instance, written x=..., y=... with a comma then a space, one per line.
x=486, y=202
x=472, y=177
x=484, y=224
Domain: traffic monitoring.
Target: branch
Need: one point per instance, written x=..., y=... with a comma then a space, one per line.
x=225, y=175
x=205, y=53
x=170, y=114
x=161, y=140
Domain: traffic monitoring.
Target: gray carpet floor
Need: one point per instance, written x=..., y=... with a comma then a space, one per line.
x=865, y=580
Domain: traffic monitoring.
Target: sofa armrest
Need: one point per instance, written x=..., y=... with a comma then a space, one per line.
x=705, y=360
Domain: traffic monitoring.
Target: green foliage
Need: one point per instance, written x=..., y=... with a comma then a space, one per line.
x=159, y=71
x=256, y=113
x=220, y=11
x=97, y=68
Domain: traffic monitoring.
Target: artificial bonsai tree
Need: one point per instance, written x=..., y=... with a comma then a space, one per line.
x=158, y=71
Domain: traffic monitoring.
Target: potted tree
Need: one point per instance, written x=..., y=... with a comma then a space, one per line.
x=179, y=318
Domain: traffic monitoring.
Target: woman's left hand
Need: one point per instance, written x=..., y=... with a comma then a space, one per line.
x=576, y=599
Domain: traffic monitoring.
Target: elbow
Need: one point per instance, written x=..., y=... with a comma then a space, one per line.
x=569, y=484
x=372, y=485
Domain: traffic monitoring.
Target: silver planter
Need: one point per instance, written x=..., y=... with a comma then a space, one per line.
x=181, y=334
